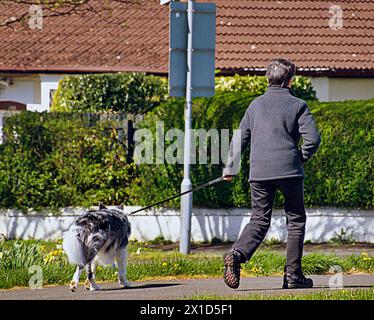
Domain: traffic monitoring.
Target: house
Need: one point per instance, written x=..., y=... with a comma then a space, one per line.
x=331, y=42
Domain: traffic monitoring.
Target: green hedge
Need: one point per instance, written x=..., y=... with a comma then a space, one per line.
x=57, y=160
x=156, y=182
x=257, y=85
x=139, y=93
x=340, y=174
x=123, y=92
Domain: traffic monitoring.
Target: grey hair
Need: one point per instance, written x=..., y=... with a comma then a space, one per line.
x=280, y=71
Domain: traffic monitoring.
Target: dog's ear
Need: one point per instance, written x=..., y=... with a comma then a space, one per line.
x=101, y=206
x=120, y=207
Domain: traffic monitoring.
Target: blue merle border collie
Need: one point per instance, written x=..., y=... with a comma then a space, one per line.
x=98, y=237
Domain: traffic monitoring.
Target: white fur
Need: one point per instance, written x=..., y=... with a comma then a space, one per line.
x=73, y=246
x=91, y=284
x=122, y=268
x=74, y=283
x=105, y=257
x=120, y=256
x=77, y=275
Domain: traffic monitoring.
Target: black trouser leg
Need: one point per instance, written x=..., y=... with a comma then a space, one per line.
x=292, y=190
x=262, y=195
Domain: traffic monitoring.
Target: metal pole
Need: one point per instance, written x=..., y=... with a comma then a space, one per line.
x=186, y=200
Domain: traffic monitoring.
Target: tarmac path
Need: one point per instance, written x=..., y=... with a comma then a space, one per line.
x=183, y=289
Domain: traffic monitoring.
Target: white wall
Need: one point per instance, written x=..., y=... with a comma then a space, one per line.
x=340, y=89
x=33, y=90
x=322, y=87
x=322, y=224
x=23, y=90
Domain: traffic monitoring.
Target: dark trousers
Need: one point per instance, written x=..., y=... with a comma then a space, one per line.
x=263, y=194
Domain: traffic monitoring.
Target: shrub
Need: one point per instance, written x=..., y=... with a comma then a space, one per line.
x=124, y=92
x=257, y=85
x=139, y=93
x=340, y=174
x=58, y=160
x=157, y=182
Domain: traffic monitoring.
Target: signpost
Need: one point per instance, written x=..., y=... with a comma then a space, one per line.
x=191, y=74
x=198, y=26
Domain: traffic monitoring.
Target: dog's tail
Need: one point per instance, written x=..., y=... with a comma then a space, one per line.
x=73, y=246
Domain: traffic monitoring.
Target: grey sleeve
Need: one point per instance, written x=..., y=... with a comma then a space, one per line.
x=309, y=133
x=240, y=139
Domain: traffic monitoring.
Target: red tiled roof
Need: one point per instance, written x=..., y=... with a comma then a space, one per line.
x=249, y=33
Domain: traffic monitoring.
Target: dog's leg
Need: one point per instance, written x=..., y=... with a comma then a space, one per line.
x=122, y=268
x=93, y=268
x=90, y=282
x=74, y=283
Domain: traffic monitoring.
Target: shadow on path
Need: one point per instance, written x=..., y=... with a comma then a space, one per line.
x=315, y=288
x=143, y=286
x=284, y=290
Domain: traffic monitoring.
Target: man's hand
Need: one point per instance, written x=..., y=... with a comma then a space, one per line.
x=227, y=178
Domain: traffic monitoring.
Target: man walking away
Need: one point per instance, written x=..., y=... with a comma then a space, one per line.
x=274, y=124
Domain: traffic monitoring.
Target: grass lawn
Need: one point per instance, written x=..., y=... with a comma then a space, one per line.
x=144, y=263
x=362, y=294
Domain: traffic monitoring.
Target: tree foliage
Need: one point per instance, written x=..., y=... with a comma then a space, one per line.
x=54, y=8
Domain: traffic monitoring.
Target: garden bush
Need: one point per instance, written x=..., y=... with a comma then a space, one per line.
x=139, y=93
x=340, y=174
x=122, y=92
x=56, y=160
x=156, y=182
x=257, y=85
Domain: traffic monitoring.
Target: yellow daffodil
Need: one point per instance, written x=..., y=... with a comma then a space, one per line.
x=366, y=259
x=365, y=254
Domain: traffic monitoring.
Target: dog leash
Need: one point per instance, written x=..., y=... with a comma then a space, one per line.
x=207, y=184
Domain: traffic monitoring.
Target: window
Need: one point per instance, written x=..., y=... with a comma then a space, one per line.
x=51, y=95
